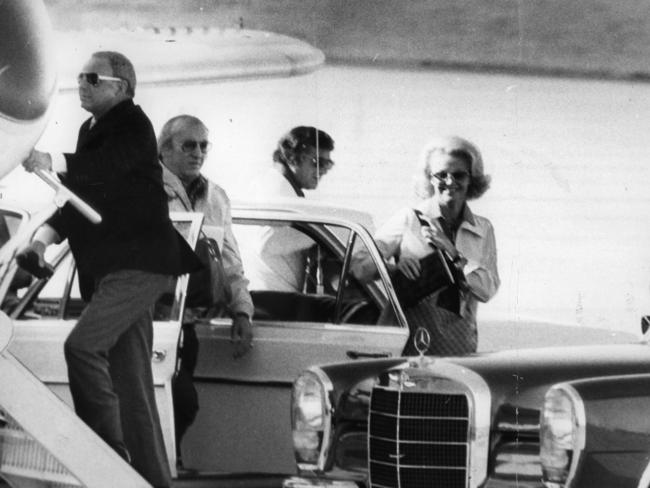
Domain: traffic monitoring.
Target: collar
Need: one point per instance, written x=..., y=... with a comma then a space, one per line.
x=431, y=209
x=114, y=111
x=291, y=178
x=174, y=187
x=196, y=189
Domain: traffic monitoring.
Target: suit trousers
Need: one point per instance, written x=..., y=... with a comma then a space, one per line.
x=108, y=354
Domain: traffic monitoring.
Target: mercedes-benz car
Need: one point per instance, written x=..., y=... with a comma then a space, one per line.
x=334, y=317
x=566, y=416
x=242, y=430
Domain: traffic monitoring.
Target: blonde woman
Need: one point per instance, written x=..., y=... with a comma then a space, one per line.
x=450, y=174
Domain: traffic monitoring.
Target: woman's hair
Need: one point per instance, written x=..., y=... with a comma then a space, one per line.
x=298, y=140
x=459, y=148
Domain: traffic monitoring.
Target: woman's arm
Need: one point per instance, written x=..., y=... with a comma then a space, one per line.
x=481, y=268
x=388, y=239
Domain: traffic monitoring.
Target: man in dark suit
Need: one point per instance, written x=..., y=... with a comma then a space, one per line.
x=125, y=263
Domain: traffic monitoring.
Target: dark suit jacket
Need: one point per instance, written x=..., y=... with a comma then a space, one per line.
x=115, y=169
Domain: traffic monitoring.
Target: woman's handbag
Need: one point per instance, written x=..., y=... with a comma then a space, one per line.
x=435, y=274
x=450, y=334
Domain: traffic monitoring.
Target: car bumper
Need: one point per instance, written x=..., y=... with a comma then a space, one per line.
x=297, y=482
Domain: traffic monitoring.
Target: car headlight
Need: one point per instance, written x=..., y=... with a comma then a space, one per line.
x=562, y=435
x=311, y=418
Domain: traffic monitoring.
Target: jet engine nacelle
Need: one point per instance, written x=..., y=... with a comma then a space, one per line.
x=27, y=78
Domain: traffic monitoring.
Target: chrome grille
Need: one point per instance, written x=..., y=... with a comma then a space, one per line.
x=418, y=439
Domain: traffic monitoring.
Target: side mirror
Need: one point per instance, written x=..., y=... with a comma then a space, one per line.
x=645, y=324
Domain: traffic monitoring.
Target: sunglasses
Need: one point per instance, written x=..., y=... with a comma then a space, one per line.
x=190, y=145
x=455, y=175
x=93, y=79
x=324, y=163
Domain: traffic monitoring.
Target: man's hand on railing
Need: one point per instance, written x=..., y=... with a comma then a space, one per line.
x=38, y=160
x=63, y=194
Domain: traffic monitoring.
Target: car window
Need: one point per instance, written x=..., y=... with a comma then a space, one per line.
x=9, y=223
x=299, y=272
x=45, y=298
x=59, y=297
x=50, y=301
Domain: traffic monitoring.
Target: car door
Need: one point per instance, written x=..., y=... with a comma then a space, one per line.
x=45, y=311
x=243, y=421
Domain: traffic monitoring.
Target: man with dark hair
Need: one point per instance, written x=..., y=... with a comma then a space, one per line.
x=125, y=263
x=302, y=158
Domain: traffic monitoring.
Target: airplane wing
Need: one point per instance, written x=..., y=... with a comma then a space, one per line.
x=33, y=57
x=186, y=55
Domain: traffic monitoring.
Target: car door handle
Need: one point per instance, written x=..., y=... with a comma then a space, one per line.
x=361, y=354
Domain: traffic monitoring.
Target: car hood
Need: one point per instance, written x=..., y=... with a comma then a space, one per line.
x=517, y=379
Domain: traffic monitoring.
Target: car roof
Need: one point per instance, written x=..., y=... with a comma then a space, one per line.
x=305, y=207
x=246, y=208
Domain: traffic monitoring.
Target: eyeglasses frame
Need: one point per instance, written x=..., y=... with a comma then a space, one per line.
x=195, y=144
x=457, y=176
x=84, y=76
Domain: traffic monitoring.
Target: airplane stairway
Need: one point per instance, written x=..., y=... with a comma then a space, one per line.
x=43, y=444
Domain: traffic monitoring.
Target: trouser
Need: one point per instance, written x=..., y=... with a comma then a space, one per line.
x=108, y=354
x=186, y=401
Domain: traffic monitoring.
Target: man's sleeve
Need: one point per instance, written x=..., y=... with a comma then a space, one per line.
x=241, y=301
x=58, y=222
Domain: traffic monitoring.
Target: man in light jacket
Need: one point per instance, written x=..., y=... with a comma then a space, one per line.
x=183, y=144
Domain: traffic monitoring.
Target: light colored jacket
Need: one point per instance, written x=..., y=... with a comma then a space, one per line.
x=475, y=240
x=272, y=184
x=277, y=252
x=217, y=224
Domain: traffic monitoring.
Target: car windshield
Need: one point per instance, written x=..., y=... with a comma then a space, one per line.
x=563, y=138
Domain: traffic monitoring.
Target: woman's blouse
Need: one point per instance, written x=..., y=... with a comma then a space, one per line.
x=401, y=236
